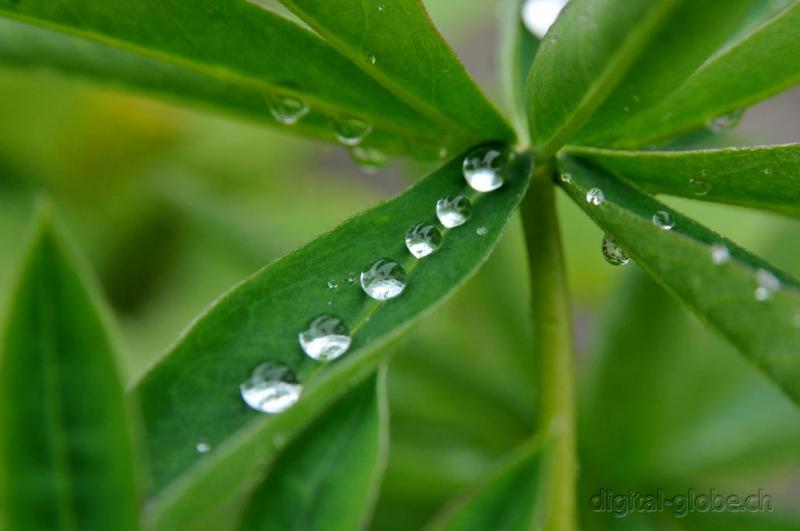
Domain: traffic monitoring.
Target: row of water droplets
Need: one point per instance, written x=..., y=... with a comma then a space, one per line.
x=273, y=387
x=766, y=281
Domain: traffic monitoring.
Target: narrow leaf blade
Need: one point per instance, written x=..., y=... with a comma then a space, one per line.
x=328, y=479
x=752, y=304
x=764, y=177
x=192, y=394
x=66, y=450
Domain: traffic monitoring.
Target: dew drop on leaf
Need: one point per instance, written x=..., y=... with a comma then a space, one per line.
x=595, y=196
x=384, y=279
x=370, y=159
x=453, y=211
x=484, y=168
x=332, y=283
x=539, y=15
x=482, y=231
x=768, y=284
x=566, y=178
x=271, y=388
x=202, y=447
x=699, y=187
x=663, y=220
x=612, y=252
x=371, y=59
x=285, y=109
x=423, y=239
x=719, y=254
x=725, y=122
x=350, y=131
x=326, y=338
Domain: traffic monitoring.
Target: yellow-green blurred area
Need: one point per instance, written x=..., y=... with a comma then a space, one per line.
x=173, y=206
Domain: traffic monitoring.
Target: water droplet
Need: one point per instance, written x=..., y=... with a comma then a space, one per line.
x=663, y=220
x=719, y=254
x=539, y=15
x=566, y=178
x=384, y=279
x=768, y=284
x=202, y=447
x=333, y=283
x=484, y=168
x=453, y=211
x=423, y=239
x=351, y=278
x=370, y=159
x=442, y=152
x=271, y=388
x=725, y=122
x=326, y=338
x=767, y=171
x=627, y=109
x=381, y=7
x=595, y=196
x=350, y=131
x=699, y=186
x=613, y=253
x=285, y=109
x=371, y=59
x=482, y=231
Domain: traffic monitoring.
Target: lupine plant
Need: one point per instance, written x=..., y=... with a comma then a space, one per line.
x=270, y=410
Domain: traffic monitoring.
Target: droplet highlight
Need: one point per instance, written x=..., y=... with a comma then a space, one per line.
x=612, y=252
x=326, y=338
x=595, y=196
x=272, y=388
x=663, y=220
x=285, y=109
x=484, y=168
x=453, y=211
x=350, y=131
x=539, y=15
x=384, y=279
x=423, y=239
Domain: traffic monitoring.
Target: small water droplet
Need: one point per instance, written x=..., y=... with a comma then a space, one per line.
x=332, y=283
x=442, y=152
x=371, y=59
x=484, y=168
x=612, y=252
x=381, y=7
x=285, y=109
x=482, y=231
x=566, y=178
x=539, y=15
x=725, y=122
x=271, y=388
x=370, y=159
x=384, y=279
x=326, y=338
x=767, y=171
x=627, y=109
x=202, y=447
x=699, y=187
x=350, y=131
x=351, y=278
x=453, y=211
x=720, y=254
x=636, y=98
x=423, y=239
x=768, y=284
x=595, y=196
x=663, y=220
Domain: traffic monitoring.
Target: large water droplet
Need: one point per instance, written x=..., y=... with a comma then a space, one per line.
x=285, y=109
x=613, y=253
x=663, y=220
x=453, y=211
x=539, y=15
x=370, y=159
x=326, y=338
x=272, y=388
x=725, y=122
x=768, y=284
x=423, y=239
x=350, y=131
x=384, y=279
x=484, y=168
x=719, y=254
x=595, y=196
x=699, y=187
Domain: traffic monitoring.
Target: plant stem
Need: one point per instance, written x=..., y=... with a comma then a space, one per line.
x=551, y=318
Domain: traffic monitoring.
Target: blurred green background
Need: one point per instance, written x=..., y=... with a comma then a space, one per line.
x=173, y=207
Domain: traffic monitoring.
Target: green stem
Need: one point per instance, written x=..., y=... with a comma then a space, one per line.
x=551, y=317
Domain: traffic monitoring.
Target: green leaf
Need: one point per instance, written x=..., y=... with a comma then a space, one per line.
x=66, y=449
x=759, y=63
x=724, y=294
x=694, y=31
x=192, y=394
x=518, y=49
x=328, y=479
x=765, y=177
x=29, y=46
x=396, y=43
x=584, y=55
x=507, y=499
x=229, y=49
